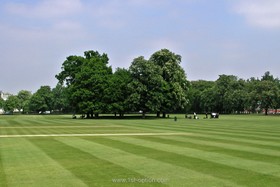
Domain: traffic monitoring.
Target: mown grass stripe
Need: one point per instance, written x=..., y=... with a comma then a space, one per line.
x=150, y=168
x=91, y=170
x=3, y=132
x=199, y=129
x=255, y=166
x=19, y=131
x=222, y=145
x=233, y=135
x=195, y=136
x=241, y=134
x=3, y=121
x=26, y=165
x=61, y=127
x=221, y=150
x=234, y=124
x=243, y=128
x=255, y=134
x=235, y=139
x=3, y=180
x=224, y=126
x=229, y=136
x=238, y=176
x=44, y=130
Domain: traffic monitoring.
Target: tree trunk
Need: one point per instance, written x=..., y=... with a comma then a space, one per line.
x=158, y=114
x=144, y=115
x=96, y=115
x=266, y=111
x=164, y=115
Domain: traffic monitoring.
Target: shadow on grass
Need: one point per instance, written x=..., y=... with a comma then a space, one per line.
x=126, y=117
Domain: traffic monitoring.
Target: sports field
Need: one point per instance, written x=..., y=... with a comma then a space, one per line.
x=60, y=151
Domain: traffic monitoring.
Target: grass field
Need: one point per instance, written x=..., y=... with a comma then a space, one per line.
x=60, y=151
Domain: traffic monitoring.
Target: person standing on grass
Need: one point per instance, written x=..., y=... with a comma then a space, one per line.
x=194, y=115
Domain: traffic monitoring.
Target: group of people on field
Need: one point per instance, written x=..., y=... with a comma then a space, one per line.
x=212, y=115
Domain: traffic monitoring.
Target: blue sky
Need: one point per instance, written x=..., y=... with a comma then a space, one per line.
x=239, y=37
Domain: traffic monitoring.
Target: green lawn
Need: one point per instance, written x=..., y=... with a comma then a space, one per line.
x=60, y=151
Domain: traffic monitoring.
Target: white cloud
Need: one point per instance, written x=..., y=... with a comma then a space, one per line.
x=260, y=13
x=45, y=8
x=119, y=14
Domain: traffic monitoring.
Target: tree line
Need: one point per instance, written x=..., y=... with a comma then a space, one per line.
x=229, y=94
x=87, y=85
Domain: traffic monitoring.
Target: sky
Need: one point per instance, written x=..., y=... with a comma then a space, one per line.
x=214, y=37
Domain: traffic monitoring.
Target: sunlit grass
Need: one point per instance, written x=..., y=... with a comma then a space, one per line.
x=235, y=150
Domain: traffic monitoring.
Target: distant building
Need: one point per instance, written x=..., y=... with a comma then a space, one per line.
x=4, y=96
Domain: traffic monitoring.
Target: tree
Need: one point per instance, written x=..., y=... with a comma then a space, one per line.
x=116, y=94
x=146, y=86
x=209, y=99
x=195, y=95
x=24, y=97
x=70, y=67
x=268, y=77
x=266, y=95
x=1, y=102
x=86, y=79
x=60, y=101
x=225, y=83
x=42, y=100
x=176, y=86
x=11, y=104
x=235, y=101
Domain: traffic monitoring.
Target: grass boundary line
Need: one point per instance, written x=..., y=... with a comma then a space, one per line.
x=107, y=134
x=61, y=127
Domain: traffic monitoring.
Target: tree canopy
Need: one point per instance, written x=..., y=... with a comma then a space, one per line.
x=229, y=94
x=86, y=79
x=175, y=88
x=42, y=100
x=155, y=85
x=146, y=86
x=88, y=85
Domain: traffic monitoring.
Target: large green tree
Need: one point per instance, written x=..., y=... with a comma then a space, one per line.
x=117, y=92
x=86, y=79
x=225, y=84
x=24, y=97
x=42, y=100
x=176, y=86
x=266, y=95
x=11, y=104
x=146, y=86
x=60, y=101
x=69, y=70
x=70, y=67
x=198, y=101
x=209, y=99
